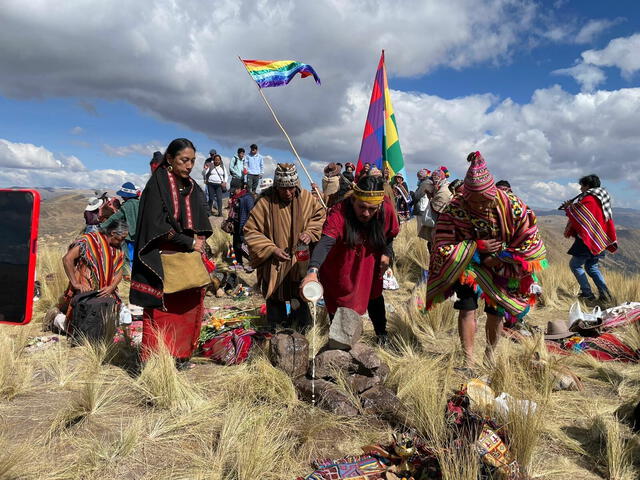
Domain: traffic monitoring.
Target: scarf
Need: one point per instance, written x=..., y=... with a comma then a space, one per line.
x=164, y=213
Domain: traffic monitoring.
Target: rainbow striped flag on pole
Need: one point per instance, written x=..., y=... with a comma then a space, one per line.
x=380, y=142
x=275, y=73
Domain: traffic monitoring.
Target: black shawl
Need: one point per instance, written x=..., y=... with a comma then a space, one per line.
x=166, y=215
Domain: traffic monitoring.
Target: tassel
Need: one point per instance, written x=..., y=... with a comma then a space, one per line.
x=513, y=283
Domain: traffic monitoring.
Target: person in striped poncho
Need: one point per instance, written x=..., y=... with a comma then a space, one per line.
x=486, y=245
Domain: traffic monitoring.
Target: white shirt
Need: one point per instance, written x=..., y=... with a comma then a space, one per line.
x=218, y=174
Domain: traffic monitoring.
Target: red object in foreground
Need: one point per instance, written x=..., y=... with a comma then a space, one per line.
x=19, y=217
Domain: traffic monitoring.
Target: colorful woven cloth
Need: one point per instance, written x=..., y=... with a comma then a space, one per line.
x=363, y=467
x=104, y=262
x=456, y=257
x=623, y=317
x=606, y=348
x=587, y=220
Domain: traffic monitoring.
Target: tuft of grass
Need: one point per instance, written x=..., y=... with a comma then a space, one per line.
x=162, y=386
x=56, y=364
x=516, y=370
x=96, y=395
x=16, y=369
x=257, y=381
x=51, y=276
x=618, y=455
x=423, y=386
x=458, y=459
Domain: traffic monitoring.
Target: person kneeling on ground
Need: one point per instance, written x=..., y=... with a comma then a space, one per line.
x=486, y=241
x=94, y=263
x=285, y=218
x=590, y=222
x=354, y=252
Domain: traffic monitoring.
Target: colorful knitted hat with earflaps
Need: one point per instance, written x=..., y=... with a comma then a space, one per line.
x=478, y=182
x=286, y=176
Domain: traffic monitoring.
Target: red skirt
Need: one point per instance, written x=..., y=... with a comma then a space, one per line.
x=179, y=326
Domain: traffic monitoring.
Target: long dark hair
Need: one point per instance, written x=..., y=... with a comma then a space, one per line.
x=176, y=146
x=357, y=232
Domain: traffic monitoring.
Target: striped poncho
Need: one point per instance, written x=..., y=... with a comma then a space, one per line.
x=101, y=262
x=456, y=258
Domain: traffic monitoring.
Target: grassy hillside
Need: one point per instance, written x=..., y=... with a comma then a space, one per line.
x=84, y=418
x=67, y=413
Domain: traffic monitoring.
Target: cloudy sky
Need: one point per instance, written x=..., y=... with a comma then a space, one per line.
x=547, y=90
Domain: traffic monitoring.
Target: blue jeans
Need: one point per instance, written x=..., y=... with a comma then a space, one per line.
x=215, y=194
x=588, y=264
x=252, y=182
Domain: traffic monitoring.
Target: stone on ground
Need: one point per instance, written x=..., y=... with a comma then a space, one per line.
x=289, y=352
x=345, y=329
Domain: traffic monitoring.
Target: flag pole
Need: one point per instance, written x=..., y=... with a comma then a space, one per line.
x=275, y=117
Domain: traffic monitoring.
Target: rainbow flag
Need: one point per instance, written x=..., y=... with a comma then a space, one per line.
x=380, y=142
x=275, y=73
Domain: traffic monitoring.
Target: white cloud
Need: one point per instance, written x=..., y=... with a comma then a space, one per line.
x=137, y=148
x=27, y=165
x=593, y=28
x=588, y=76
x=548, y=194
x=76, y=131
x=177, y=60
x=620, y=52
x=27, y=156
x=556, y=135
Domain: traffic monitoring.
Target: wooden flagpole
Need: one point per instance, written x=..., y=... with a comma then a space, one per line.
x=295, y=152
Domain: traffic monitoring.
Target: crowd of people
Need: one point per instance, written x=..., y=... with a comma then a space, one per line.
x=483, y=242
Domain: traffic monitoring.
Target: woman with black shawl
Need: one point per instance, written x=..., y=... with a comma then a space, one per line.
x=172, y=218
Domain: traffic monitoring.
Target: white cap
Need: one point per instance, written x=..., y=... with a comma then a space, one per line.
x=94, y=204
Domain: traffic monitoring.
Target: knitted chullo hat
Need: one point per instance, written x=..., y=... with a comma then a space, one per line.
x=424, y=173
x=478, y=182
x=285, y=176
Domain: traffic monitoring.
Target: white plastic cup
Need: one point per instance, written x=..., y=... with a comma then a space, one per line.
x=312, y=292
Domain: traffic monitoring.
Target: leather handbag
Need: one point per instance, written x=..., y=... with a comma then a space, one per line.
x=183, y=270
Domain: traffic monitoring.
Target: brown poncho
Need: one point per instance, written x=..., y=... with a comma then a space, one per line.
x=273, y=224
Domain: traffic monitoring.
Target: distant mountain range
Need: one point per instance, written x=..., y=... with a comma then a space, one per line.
x=624, y=217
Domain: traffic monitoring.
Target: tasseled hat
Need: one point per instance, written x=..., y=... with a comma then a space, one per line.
x=423, y=173
x=478, y=182
x=285, y=176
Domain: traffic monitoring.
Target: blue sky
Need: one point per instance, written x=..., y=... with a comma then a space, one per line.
x=88, y=108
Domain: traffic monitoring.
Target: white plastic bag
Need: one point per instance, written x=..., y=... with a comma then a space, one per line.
x=594, y=315
x=504, y=402
x=575, y=314
x=125, y=315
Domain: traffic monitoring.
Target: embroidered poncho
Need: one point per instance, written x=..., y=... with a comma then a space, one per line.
x=456, y=258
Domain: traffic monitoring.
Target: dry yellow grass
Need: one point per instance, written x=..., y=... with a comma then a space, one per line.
x=245, y=422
